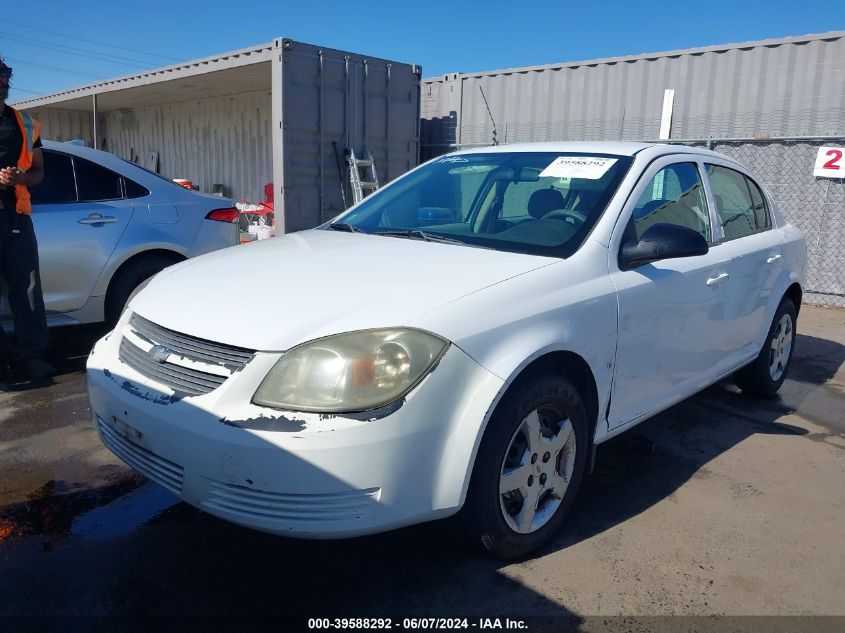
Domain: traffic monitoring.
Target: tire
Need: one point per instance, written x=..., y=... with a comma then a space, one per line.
x=124, y=286
x=551, y=405
x=765, y=375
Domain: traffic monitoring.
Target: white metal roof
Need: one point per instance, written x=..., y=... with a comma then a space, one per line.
x=244, y=70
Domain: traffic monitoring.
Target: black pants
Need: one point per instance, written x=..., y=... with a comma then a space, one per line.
x=19, y=266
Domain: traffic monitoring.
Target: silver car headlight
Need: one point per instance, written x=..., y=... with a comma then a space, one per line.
x=351, y=372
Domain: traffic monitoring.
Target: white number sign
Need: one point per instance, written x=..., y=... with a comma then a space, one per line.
x=830, y=163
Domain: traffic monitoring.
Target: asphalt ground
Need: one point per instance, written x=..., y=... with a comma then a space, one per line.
x=723, y=505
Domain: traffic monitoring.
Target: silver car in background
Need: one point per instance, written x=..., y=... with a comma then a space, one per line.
x=105, y=225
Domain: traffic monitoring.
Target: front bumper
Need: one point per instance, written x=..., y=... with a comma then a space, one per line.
x=299, y=474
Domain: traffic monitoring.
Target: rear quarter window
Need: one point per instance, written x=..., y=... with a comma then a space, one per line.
x=134, y=190
x=95, y=182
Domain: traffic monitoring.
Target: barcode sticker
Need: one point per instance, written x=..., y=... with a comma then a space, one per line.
x=587, y=167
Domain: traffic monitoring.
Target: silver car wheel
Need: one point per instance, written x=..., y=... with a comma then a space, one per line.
x=536, y=470
x=781, y=348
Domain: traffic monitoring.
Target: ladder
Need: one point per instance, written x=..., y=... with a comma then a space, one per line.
x=363, y=179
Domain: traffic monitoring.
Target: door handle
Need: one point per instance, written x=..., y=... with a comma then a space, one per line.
x=712, y=281
x=773, y=258
x=96, y=218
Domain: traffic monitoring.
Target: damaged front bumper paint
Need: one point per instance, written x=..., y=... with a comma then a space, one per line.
x=299, y=474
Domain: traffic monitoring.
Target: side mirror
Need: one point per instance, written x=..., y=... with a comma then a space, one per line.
x=662, y=241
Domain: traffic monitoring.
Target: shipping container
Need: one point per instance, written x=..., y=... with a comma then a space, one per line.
x=781, y=87
x=282, y=113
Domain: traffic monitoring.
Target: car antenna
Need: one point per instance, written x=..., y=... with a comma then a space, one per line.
x=495, y=140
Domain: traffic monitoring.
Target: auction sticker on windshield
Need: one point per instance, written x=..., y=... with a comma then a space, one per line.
x=587, y=167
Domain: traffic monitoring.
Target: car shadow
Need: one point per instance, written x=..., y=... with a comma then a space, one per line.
x=70, y=345
x=648, y=463
x=67, y=352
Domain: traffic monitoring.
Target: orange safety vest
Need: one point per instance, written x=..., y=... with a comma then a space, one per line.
x=30, y=132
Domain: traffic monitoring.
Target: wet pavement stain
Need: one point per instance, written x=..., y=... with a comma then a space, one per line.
x=51, y=510
x=125, y=514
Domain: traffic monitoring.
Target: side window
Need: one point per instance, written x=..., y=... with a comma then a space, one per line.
x=58, y=185
x=741, y=206
x=761, y=211
x=96, y=182
x=674, y=196
x=134, y=190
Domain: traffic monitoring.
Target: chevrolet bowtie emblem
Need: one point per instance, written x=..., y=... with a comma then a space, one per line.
x=159, y=353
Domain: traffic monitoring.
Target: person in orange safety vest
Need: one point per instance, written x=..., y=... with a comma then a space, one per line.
x=21, y=166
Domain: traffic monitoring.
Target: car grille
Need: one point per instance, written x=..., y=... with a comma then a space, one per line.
x=240, y=501
x=194, y=367
x=156, y=468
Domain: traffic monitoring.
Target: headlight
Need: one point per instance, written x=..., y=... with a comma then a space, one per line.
x=350, y=372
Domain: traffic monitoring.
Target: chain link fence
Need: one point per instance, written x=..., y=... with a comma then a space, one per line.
x=784, y=166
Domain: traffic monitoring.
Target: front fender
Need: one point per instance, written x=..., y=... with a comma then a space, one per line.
x=559, y=308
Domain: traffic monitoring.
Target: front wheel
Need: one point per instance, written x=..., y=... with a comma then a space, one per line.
x=766, y=374
x=529, y=466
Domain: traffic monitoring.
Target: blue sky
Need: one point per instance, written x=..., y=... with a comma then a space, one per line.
x=69, y=50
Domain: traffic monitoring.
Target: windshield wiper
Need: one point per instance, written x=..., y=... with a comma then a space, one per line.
x=345, y=226
x=420, y=235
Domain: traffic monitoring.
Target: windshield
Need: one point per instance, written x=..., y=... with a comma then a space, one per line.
x=534, y=203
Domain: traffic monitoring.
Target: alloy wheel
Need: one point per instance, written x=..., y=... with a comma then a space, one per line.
x=536, y=470
x=781, y=348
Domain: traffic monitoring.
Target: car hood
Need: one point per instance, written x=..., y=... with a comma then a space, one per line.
x=274, y=294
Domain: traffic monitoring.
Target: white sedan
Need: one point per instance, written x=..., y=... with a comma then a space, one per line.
x=459, y=341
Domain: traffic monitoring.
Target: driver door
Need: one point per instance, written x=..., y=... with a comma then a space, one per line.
x=672, y=329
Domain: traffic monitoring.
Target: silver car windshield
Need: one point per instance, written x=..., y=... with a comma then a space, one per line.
x=535, y=203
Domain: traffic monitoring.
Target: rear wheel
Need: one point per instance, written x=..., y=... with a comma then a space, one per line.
x=766, y=374
x=124, y=286
x=529, y=466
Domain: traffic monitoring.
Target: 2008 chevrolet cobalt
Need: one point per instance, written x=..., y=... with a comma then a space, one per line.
x=460, y=340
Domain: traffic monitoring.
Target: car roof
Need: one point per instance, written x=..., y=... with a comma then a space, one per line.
x=78, y=149
x=619, y=148
x=592, y=147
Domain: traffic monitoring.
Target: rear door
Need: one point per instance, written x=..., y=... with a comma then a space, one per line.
x=755, y=249
x=79, y=211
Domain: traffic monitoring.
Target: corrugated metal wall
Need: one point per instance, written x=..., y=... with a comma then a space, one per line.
x=439, y=106
x=65, y=125
x=788, y=87
x=334, y=98
x=304, y=101
x=222, y=140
